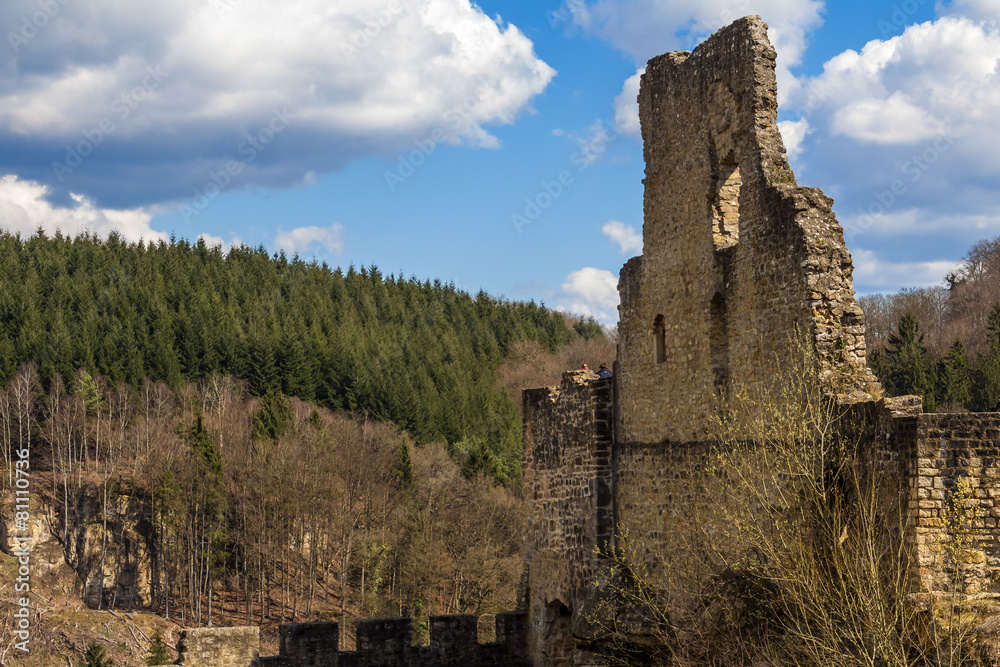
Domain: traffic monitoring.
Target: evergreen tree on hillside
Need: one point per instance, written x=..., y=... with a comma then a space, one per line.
x=405, y=468
x=954, y=377
x=423, y=355
x=273, y=417
x=588, y=328
x=159, y=652
x=94, y=657
x=987, y=386
x=908, y=367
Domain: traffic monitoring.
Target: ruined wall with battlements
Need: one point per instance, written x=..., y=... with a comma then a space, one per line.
x=569, y=500
x=381, y=642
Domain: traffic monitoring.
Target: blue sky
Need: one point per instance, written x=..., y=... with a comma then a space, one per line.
x=492, y=145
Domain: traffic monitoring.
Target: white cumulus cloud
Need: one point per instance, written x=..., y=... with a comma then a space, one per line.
x=24, y=209
x=793, y=132
x=159, y=94
x=591, y=292
x=903, y=135
x=873, y=274
x=935, y=76
x=626, y=237
x=627, y=106
x=311, y=241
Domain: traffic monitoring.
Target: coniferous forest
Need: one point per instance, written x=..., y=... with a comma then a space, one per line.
x=942, y=343
x=420, y=355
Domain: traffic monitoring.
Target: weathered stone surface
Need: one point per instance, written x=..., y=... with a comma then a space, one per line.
x=736, y=257
x=219, y=647
x=568, y=485
x=932, y=452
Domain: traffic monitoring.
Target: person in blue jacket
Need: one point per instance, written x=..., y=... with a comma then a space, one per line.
x=603, y=371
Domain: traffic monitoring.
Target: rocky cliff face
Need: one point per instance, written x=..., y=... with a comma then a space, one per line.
x=123, y=578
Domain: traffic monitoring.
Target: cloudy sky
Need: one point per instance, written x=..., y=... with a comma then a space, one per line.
x=494, y=145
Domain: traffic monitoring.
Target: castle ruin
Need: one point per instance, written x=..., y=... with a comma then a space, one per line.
x=738, y=261
x=738, y=264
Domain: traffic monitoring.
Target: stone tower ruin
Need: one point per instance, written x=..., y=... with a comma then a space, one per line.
x=736, y=257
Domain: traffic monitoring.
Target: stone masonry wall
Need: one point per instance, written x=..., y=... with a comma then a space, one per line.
x=935, y=451
x=567, y=485
x=737, y=259
x=660, y=490
x=381, y=642
x=219, y=647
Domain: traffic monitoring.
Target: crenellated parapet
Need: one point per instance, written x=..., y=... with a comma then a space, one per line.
x=381, y=642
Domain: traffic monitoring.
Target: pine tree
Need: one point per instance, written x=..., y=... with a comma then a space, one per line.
x=909, y=368
x=85, y=387
x=405, y=469
x=273, y=417
x=588, y=328
x=159, y=653
x=954, y=377
x=262, y=371
x=987, y=389
x=297, y=373
x=94, y=657
x=205, y=449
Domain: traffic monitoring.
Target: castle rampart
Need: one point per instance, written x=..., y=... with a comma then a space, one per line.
x=935, y=451
x=568, y=486
x=381, y=642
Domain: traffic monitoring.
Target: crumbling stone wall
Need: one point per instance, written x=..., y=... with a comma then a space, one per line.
x=736, y=257
x=568, y=486
x=663, y=494
x=739, y=264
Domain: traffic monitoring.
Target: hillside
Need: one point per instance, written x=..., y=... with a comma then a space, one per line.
x=420, y=355
x=245, y=438
x=942, y=343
